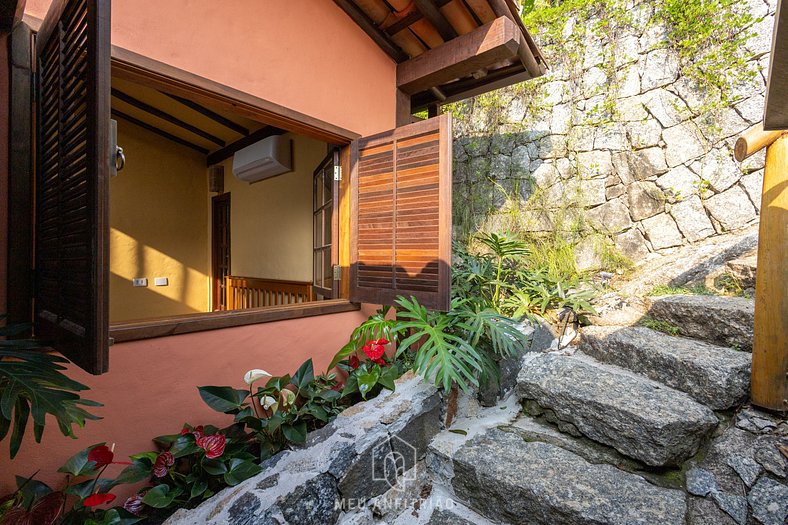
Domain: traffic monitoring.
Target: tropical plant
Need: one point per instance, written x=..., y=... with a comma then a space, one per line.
x=459, y=347
x=36, y=503
x=380, y=325
x=32, y=383
x=368, y=377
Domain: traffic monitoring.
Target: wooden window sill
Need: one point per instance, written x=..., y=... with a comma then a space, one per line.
x=185, y=324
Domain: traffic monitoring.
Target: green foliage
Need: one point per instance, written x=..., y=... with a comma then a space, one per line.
x=32, y=383
x=665, y=289
x=660, y=326
x=378, y=326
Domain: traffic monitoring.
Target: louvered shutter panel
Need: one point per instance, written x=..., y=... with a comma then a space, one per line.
x=72, y=177
x=401, y=215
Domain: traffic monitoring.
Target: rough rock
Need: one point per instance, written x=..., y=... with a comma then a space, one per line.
x=700, y=482
x=644, y=200
x=726, y=321
x=747, y=468
x=316, y=501
x=510, y=480
x=715, y=376
x=691, y=219
x=632, y=244
x=769, y=502
x=447, y=517
x=706, y=512
x=637, y=416
x=683, y=143
x=662, y=231
x=648, y=163
x=612, y=216
x=731, y=208
x=734, y=505
x=743, y=269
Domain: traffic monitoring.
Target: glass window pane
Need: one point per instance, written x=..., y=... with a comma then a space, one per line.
x=328, y=275
x=327, y=226
x=328, y=186
x=317, y=260
x=318, y=190
x=318, y=230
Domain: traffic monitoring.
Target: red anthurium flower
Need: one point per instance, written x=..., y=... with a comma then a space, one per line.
x=134, y=504
x=381, y=342
x=98, y=499
x=380, y=362
x=373, y=350
x=163, y=461
x=353, y=361
x=213, y=445
x=102, y=455
x=197, y=432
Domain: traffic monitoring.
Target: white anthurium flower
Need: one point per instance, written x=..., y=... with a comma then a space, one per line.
x=253, y=375
x=269, y=403
x=287, y=397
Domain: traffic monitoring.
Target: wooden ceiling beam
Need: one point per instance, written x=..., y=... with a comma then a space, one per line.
x=224, y=121
x=370, y=28
x=431, y=12
x=469, y=87
x=414, y=16
x=481, y=48
x=153, y=129
x=228, y=151
x=156, y=112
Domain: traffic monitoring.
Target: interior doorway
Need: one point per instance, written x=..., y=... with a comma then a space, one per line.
x=220, y=249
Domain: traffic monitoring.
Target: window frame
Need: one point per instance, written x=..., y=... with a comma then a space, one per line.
x=163, y=77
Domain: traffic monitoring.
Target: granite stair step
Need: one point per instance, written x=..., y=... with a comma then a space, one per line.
x=718, y=377
x=721, y=320
x=639, y=417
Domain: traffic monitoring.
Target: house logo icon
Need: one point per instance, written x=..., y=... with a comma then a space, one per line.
x=393, y=461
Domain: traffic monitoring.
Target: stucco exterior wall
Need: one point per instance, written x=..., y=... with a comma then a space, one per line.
x=159, y=227
x=306, y=55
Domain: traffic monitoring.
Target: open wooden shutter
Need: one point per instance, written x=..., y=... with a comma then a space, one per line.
x=72, y=181
x=401, y=215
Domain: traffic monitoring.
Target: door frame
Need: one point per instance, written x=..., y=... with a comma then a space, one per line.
x=217, y=282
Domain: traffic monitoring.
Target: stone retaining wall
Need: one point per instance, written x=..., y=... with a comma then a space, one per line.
x=651, y=171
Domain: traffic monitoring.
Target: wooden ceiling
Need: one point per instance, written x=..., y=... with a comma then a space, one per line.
x=454, y=49
x=215, y=133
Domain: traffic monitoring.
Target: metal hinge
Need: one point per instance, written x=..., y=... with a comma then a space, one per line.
x=337, y=173
x=337, y=272
x=111, y=341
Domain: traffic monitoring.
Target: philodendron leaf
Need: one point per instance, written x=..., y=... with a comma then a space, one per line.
x=241, y=470
x=304, y=375
x=367, y=381
x=223, y=398
x=160, y=496
x=295, y=433
x=79, y=465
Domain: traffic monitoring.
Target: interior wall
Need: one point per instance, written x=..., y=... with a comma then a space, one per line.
x=4, y=113
x=306, y=55
x=271, y=220
x=158, y=228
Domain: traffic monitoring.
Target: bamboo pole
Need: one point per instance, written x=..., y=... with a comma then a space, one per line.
x=753, y=140
x=770, y=343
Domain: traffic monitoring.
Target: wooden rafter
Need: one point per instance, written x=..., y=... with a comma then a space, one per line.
x=413, y=16
x=156, y=112
x=469, y=87
x=375, y=33
x=153, y=129
x=208, y=113
x=228, y=151
x=431, y=12
x=487, y=45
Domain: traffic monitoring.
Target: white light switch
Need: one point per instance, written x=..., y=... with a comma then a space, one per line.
x=140, y=281
x=161, y=281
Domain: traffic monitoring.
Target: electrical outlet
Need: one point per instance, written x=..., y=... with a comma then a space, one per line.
x=160, y=281
x=140, y=281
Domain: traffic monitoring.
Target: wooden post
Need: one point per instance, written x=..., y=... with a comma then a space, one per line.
x=770, y=344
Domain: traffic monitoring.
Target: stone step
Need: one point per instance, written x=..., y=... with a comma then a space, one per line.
x=743, y=269
x=639, y=417
x=716, y=376
x=726, y=321
x=508, y=479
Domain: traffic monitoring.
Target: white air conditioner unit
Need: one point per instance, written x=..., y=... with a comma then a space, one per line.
x=268, y=158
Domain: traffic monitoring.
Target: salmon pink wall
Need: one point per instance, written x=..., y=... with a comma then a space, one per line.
x=306, y=55
x=150, y=389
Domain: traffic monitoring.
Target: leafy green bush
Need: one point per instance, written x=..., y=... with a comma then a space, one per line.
x=32, y=383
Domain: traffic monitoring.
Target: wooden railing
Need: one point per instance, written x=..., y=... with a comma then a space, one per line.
x=253, y=292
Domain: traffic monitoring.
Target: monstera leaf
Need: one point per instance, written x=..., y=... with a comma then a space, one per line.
x=32, y=383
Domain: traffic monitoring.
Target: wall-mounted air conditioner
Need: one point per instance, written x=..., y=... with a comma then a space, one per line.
x=268, y=158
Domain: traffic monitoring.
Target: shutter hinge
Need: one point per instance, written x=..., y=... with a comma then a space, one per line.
x=337, y=272
x=337, y=173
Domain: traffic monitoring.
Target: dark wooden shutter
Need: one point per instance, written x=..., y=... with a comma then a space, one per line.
x=401, y=215
x=72, y=181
